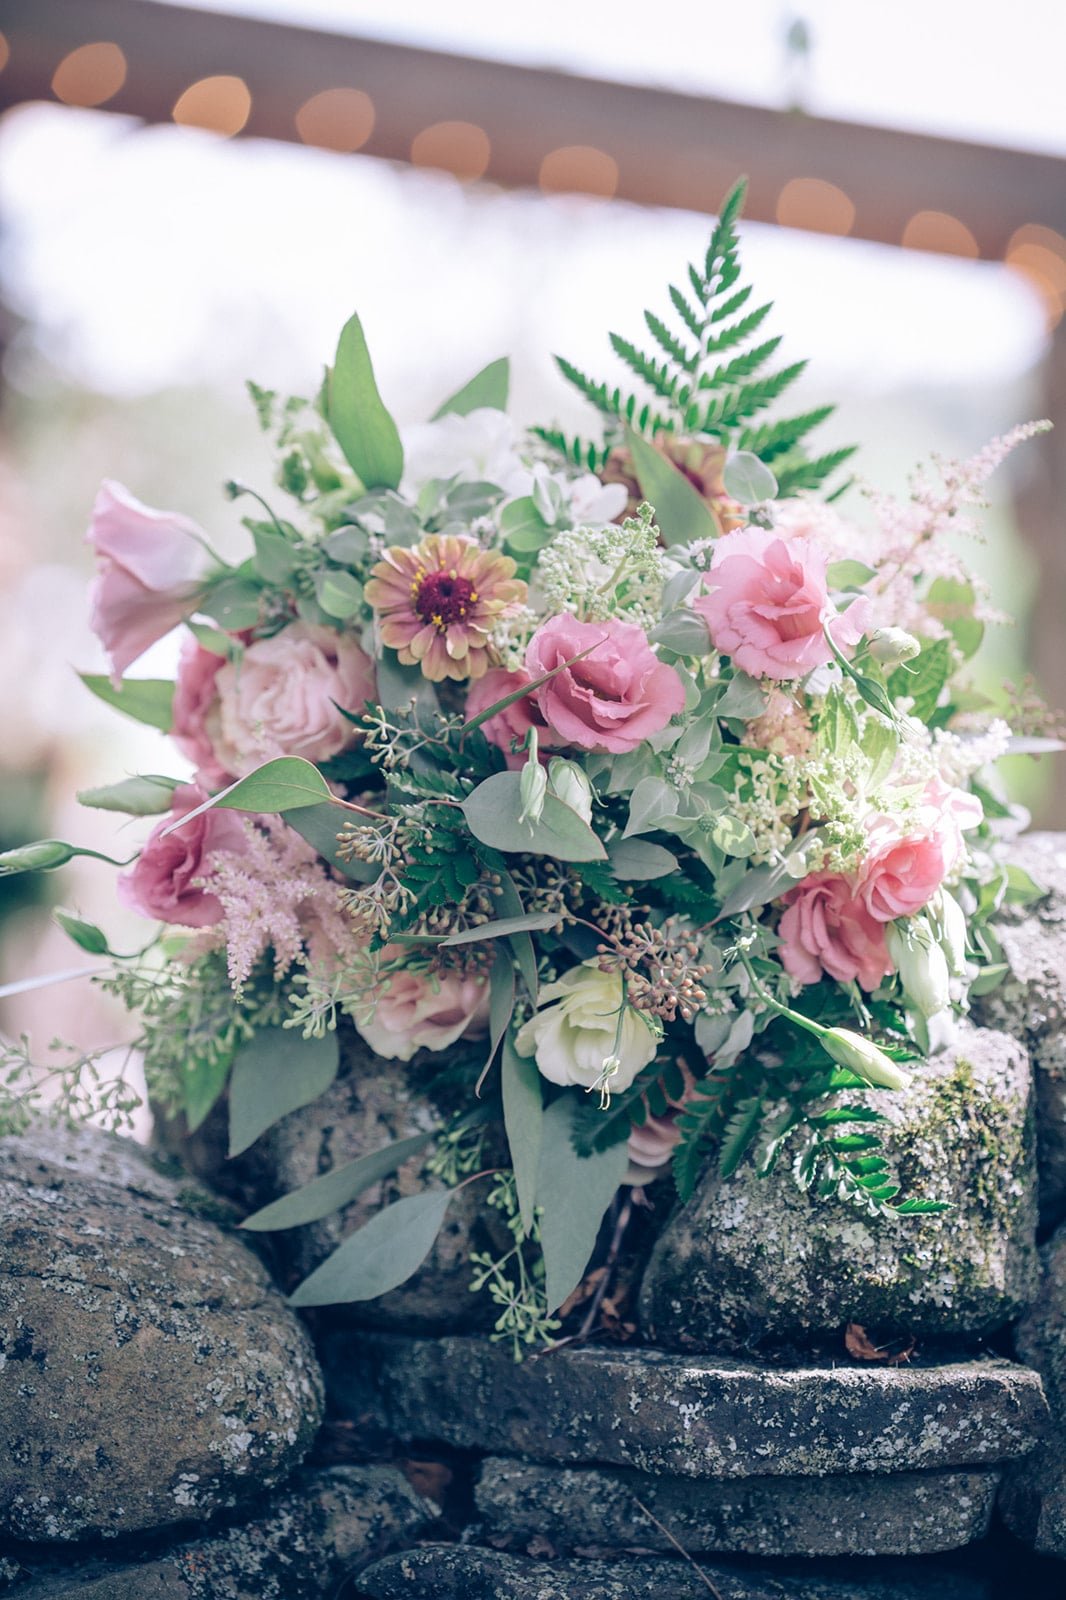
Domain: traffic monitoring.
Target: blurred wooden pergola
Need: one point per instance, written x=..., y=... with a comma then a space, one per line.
x=558, y=132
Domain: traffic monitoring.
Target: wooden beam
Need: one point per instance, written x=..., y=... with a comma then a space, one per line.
x=660, y=148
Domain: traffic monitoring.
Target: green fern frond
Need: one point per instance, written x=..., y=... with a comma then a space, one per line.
x=739, y=1134
x=690, y=318
x=687, y=360
x=741, y=366
x=580, y=452
x=655, y=374
x=773, y=439
x=735, y=302
x=812, y=474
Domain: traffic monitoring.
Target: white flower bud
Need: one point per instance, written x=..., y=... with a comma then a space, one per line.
x=862, y=1057
x=570, y=785
x=533, y=789
x=921, y=964
x=949, y=924
x=891, y=646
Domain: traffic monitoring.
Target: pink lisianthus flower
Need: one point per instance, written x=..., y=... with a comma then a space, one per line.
x=768, y=605
x=415, y=1010
x=150, y=567
x=827, y=928
x=615, y=697
x=195, y=703
x=281, y=698
x=164, y=883
x=903, y=870
x=511, y=725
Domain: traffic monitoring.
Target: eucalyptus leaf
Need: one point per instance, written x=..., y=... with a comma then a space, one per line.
x=357, y=415
x=275, y=557
x=681, y=514
x=285, y=784
x=493, y=811
x=335, y=1190
x=143, y=796
x=678, y=587
x=523, y=1119
x=848, y=574
x=573, y=1193
x=148, y=700
x=203, y=1079
x=527, y=922
x=748, y=479
x=347, y=545
x=234, y=603
x=320, y=826
x=732, y=835
x=276, y=1072
x=339, y=593
x=638, y=860
x=488, y=388
x=652, y=802
x=382, y=1255
x=744, y=698
x=501, y=1003
x=683, y=631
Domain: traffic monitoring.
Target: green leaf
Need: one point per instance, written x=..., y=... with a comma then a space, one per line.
x=357, y=416
x=493, y=810
x=573, y=1193
x=320, y=825
x=501, y=1004
x=744, y=698
x=684, y=631
x=523, y=1119
x=339, y=593
x=732, y=835
x=923, y=678
x=489, y=387
x=748, y=479
x=382, y=1255
x=274, y=1073
x=953, y=601
x=739, y=1132
x=202, y=1082
x=143, y=796
x=275, y=556
x=638, y=860
x=234, y=603
x=334, y=1190
x=286, y=784
x=86, y=935
x=681, y=514
x=148, y=700
x=501, y=929
x=848, y=574
x=524, y=529
x=652, y=802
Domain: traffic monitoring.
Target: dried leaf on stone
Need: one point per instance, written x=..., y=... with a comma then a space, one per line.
x=430, y=1479
x=861, y=1347
x=540, y=1546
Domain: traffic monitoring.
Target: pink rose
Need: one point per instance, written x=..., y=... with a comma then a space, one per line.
x=281, y=698
x=903, y=870
x=195, y=703
x=416, y=1010
x=149, y=571
x=512, y=724
x=615, y=697
x=162, y=883
x=769, y=603
x=827, y=927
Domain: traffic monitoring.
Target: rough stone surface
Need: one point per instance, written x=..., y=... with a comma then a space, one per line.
x=299, y=1548
x=1034, y=1498
x=151, y=1373
x=1031, y=1003
x=752, y=1259
x=450, y=1572
x=690, y=1417
x=371, y=1104
x=867, y=1514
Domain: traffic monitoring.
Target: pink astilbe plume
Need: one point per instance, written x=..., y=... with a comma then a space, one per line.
x=278, y=895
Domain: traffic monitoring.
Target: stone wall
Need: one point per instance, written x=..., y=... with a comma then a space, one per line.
x=162, y=1407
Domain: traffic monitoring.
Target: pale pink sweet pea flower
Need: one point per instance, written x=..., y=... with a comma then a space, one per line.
x=150, y=566
x=769, y=605
x=164, y=881
x=827, y=928
x=906, y=864
x=416, y=1010
x=615, y=697
x=511, y=725
x=281, y=698
x=195, y=707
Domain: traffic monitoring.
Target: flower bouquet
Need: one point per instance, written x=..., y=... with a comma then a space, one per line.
x=625, y=791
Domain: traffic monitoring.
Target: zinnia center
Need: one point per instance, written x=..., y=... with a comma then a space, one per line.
x=442, y=597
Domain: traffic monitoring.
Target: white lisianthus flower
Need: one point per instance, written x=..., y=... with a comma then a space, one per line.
x=594, y=502
x=583, y=1036
x=479, y=448
x=570, y=785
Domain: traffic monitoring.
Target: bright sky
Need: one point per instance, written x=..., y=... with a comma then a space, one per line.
x=975, y=69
